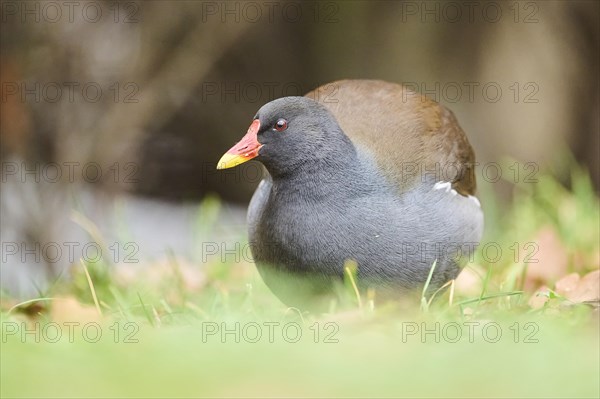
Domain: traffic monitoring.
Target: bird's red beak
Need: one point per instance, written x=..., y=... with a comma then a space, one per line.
x=243, y=151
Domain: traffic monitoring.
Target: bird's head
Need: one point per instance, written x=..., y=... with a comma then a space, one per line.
x=285, y=134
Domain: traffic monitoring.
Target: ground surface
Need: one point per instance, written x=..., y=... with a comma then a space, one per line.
x=523, y=323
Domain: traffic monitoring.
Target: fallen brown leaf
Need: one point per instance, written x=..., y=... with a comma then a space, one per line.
x=587, y=289
x=470, y=281
x=549, y=263
x=567, y=285
x=69, y=309
x=539, y=299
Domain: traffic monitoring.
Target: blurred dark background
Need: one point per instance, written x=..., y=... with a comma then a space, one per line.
x=152, y=93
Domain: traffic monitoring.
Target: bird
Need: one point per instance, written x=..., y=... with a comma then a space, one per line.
x=361, y=171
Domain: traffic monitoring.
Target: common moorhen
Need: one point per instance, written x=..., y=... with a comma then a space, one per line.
x=360, y=170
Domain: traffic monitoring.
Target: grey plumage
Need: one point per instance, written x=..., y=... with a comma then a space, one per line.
x=326, y=200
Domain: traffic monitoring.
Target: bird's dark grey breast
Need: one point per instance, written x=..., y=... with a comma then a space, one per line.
x=393, y=238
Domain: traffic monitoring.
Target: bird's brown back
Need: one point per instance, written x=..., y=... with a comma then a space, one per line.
x=410, y=135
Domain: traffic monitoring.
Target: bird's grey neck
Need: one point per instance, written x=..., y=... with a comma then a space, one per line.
x=330, y=180
x=318, y=177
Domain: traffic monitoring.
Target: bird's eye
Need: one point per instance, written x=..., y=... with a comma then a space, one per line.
x=281, y=125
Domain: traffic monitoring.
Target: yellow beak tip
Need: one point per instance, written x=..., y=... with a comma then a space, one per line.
x=229, y=161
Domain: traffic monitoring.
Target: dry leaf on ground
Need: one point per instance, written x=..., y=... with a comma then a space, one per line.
x=547, y=264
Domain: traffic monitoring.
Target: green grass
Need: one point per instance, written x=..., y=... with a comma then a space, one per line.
x=162, y=335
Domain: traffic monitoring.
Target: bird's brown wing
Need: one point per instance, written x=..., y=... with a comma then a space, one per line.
x=411, y=136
